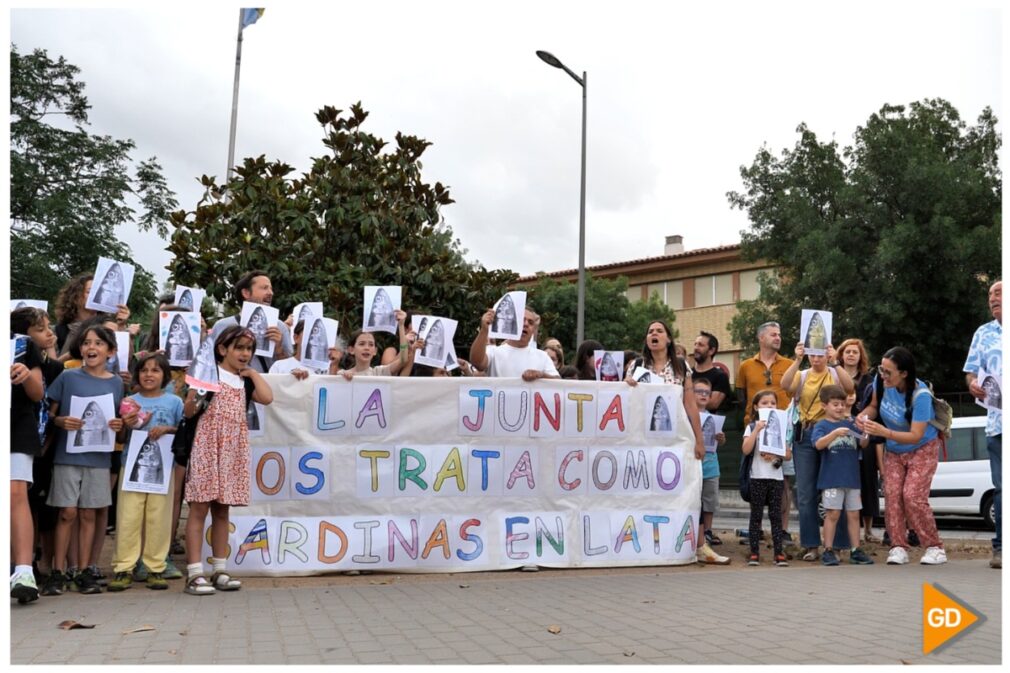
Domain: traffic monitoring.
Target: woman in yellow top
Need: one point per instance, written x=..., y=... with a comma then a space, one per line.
x=805, y=389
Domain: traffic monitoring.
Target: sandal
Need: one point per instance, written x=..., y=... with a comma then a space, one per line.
x=199, y=586
x=810, y=555
x=222, y=581
x=872, y=539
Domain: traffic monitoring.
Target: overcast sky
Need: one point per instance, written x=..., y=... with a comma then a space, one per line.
x=679, y=98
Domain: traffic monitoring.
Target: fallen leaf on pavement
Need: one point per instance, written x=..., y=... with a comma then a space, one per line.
x=183, y=633
x=381, y=582
x=629, y=653
x=554, y=628
x=143, y=627
x=172, y=651
x=69, y=624
x=648, y=601
x=464, y=586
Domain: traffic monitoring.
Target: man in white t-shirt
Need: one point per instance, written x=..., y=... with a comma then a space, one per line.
x=514, y=358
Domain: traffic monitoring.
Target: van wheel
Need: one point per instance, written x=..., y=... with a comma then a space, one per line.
x=989, y=511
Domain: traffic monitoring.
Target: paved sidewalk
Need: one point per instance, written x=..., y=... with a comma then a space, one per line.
x=805, y=614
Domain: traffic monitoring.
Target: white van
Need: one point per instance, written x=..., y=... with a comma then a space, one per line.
x=962, y=484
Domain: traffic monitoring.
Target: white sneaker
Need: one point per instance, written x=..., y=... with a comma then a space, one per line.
x=934, y=556
x=897, y=557
x=23, y=587
x=708, y=555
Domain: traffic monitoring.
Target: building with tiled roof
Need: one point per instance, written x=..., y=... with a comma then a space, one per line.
x=702, y=286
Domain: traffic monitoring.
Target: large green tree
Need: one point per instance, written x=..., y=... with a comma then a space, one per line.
x=898, y=234
x=611, y=318
x=362, y=215
x=71, y=189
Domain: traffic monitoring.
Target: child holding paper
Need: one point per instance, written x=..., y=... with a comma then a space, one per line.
x=839, y=474
x=765, y=481
x=159, y=413
x=709, y=481
x=362, y=347
x=219, y=462
x=81, y=480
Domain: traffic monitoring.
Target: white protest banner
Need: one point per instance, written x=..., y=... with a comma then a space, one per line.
x=148, y=467
x=437, y=334
x=643, y=375
x=457, y=474
x=992, y=384
x=123, y=351
x=318, y=336
x=202, y=374
x=380, y=307
x=95, y=413
x=711, y=425
x=815, y=331
x=189, y=298
x=111, y=286
x=258, y=318
x=179, y=336
x=34, y=303
x=773, y=437
x=305, y=312
x=609, y=365
x=509, y=313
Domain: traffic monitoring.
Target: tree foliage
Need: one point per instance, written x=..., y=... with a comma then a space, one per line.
x=71, y=189
x=360, y=216
x=898, y=234
x=611, y=318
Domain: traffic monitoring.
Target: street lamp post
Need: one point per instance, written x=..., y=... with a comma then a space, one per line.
x=580, y=321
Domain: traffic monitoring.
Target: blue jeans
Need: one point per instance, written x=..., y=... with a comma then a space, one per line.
x=995, y=446
x=808, y=464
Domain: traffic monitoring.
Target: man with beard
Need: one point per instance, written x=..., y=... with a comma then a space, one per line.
x=255, y=287
x=705, y=347
x=986, y=353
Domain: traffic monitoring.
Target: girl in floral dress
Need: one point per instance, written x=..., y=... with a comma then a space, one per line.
x=219, y=463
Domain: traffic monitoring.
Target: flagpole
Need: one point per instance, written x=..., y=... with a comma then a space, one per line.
x=234, y=101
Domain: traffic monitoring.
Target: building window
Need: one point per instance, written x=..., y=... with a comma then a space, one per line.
x=722, y=289
x=749, y=285
x=634, y=293
x=703, y=292
x=675, y=294
x=658, y=289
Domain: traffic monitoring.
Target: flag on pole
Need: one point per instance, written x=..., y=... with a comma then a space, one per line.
x=251, y=15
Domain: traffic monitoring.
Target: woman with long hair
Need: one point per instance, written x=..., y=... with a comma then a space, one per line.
x=854, y=359
x=900, y=411
x=660, y=358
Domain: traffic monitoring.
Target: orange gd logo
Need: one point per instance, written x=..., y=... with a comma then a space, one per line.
x=945, y=618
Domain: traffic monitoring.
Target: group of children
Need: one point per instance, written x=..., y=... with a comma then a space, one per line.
x=79, y=487
x=835, y=436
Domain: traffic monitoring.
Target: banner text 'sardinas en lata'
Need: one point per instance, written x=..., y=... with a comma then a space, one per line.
x=449, y=475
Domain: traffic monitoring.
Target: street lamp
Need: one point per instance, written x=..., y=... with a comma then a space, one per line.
x=580, y=323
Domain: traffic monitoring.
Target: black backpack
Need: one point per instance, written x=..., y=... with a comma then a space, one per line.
x=744, y=477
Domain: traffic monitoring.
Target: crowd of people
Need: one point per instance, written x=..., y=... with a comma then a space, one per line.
x=853, y=422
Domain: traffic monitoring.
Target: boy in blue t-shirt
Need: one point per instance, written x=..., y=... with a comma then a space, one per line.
x=839, y=473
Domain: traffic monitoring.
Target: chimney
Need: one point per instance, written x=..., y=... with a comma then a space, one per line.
x=674, y=245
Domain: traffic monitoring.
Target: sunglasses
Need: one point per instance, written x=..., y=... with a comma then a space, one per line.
x=703, y=391
x=768, y=377
x=886, y=373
